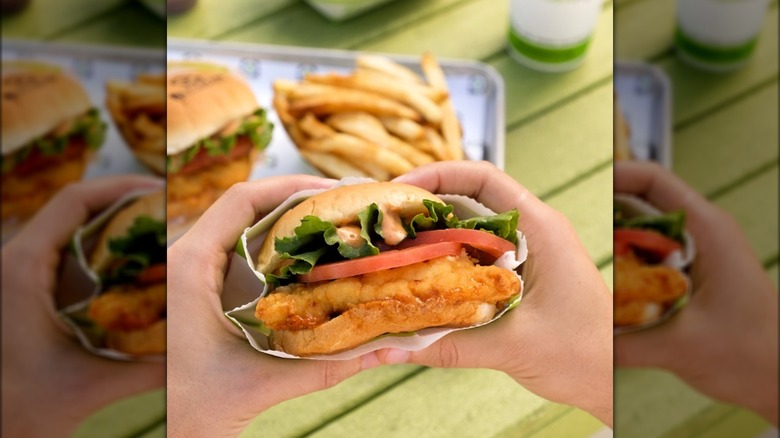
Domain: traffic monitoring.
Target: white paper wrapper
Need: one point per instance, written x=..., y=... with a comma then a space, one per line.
x=244, y=285
x=79, y=284
x=632, y=206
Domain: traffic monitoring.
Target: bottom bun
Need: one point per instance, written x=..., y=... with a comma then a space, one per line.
x=150, y=340
x=366, y=321
x=190, y=194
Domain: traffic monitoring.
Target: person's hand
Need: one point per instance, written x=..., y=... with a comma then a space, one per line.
x=558, y=341
x=218, y=383
x=50, y=382
x=724, y=342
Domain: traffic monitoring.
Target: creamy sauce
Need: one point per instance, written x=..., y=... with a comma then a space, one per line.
x=350, y=234
x=392, y=230
x=230, y=128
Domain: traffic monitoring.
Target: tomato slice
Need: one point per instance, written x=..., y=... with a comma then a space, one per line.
x=647, y=240
x=385, y=260
x=152, y=274
x=481, y=240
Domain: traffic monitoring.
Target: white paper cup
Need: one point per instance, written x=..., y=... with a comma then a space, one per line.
x=718, y=35
x=551, y=35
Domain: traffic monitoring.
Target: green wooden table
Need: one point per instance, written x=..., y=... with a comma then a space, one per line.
x=558, y=143
x=726, y=146
x=571, y=111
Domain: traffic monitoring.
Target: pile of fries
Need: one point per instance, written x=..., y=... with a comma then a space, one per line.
x=380, y=121
x=138, y=109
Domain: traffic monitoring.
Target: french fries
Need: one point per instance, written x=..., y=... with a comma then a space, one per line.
x=138, y=109
x=381, y=120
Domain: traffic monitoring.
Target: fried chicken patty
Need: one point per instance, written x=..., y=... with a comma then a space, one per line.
x=635, y=281
x=453, y=279
x=641, y=291
x=129, y=307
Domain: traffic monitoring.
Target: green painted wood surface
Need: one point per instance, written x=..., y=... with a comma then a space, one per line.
x=44, y=19
x=734, y=149
x=130, y=24
x=454, y=403
x=210, y=18
x=130, y=417
x=298, y=416
x=754, y=205
x=725, y=145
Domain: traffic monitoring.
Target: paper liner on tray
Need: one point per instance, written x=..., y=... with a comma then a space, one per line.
x=680, y=260
x=244, y=285
x=79, y=284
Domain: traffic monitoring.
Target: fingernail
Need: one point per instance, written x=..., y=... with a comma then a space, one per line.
x=370, y=361
x=396, y=356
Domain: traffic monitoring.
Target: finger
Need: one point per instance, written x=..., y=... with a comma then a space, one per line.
x=661, y=188
x=56, y=222
x=462, y=349
x=243, y=204
x=479, y=180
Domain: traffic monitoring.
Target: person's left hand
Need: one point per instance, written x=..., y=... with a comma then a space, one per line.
x=218, y=383
x=50, y=382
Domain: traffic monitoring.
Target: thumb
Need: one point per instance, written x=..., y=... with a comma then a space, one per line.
x=457, y=350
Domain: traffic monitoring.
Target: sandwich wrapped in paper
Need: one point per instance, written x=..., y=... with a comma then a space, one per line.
x=366, y=265
x=123, y=254
x=652, y=253
x=215, y=132
x=50, y=128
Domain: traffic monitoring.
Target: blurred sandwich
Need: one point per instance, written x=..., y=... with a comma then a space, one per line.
x=130, y=260
x=215, y=132
x=49, y=129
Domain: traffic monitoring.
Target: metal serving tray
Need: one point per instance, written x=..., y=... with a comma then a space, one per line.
x=645, y=96
x=477, y=91
x=94, y=65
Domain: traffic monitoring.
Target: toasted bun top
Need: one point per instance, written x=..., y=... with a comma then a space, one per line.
x=151, y=205
x=36, y=98
x=341, y=206
x=202, y=101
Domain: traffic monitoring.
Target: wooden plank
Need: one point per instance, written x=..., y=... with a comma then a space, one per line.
x=133, y=415
x=573, y=423
x=489, y=17
x=563, y=144
x=313, y=30
x=740, y=423
x=130, y=24
x=755, y=206
x=455, y=403
x=588, y=205
x=644, y=29
x=529, y=92
x=735, y=141
x=696, y=92
x=156, y=432
x=210, y=18
x=43, y=18
x=649, y=403
x=298, y=416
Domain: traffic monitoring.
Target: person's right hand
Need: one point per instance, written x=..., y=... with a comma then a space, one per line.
x=558, y=341
x=724, y=343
